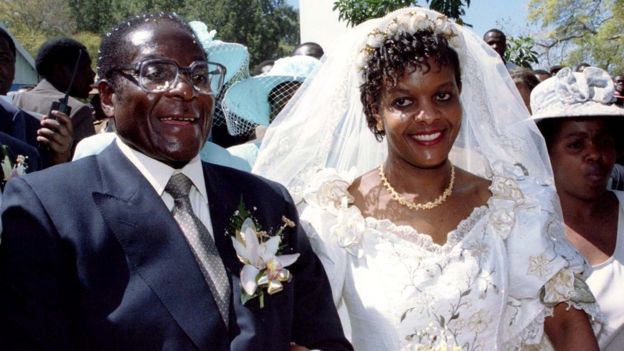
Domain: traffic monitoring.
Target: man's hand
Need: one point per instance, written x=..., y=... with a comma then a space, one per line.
x=58, y=135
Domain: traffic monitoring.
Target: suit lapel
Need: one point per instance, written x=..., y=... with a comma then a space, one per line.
x=246, y=321
x=222, y=203
x=156, y=248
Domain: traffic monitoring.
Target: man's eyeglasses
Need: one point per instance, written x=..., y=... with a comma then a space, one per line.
x=160, y=75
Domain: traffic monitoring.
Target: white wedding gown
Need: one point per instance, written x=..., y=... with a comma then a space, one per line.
x=489, y=287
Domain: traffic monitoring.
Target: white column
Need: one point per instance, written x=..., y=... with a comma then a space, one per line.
x=319, y=23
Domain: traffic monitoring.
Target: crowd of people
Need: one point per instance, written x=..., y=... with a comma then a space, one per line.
x=407, y=190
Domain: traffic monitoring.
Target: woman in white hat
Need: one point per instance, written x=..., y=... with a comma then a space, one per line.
x=577, y=114
x=449, y=237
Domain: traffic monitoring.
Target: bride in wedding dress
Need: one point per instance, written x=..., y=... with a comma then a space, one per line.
x=428, y=194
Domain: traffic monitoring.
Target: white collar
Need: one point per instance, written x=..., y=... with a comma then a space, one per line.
x=158, y=173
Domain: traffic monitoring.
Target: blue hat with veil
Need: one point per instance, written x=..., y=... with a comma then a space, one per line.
x=234, y=56
x=246, y=103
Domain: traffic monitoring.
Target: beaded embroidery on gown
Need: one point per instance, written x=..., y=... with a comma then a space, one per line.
x=489, y=287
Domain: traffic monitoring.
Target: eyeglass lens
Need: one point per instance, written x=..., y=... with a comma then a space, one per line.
x=206, y=78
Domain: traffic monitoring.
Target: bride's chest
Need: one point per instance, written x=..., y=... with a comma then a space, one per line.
x=419, y=279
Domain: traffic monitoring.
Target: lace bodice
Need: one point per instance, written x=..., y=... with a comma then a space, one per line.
x=478, y=291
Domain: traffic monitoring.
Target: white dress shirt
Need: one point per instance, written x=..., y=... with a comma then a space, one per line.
x=158, y=174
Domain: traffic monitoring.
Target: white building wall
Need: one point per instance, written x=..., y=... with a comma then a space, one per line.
x=319, y=23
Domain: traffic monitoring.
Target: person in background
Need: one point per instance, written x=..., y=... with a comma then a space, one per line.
x=497, y=40
x=581, y=67
x=618, y=82
x=51, y=137
x=55, y=63
x=576, y=114
x=554, y=69
x=309, y=49
x=542, y=74
x=525, y=81
x=263, y=67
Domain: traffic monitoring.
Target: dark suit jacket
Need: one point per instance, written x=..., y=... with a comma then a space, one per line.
x=18, y=123
x=91, y=258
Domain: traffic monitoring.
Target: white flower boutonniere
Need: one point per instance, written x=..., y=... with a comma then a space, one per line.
x=264, y=268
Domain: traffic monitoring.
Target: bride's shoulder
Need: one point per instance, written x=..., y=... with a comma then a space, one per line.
x=363, y=185
x=473, y=185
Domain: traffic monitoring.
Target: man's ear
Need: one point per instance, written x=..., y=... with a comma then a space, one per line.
x=106, y=97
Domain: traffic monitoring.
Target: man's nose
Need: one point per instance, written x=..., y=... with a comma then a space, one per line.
x=183, y=87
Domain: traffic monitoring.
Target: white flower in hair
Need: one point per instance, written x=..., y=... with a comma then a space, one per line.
x=443, y=26
x=402, y=26
x=375, y=38
x=392, y=28
x=417, y=22
x=361, y=59
x=410, y=22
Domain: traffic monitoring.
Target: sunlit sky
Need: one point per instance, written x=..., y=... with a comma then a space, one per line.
x=509, y=15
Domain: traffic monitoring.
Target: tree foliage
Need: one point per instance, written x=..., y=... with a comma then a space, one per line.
x=576, y=31
x=355, y=12
x=520, y=50
x=269, y=28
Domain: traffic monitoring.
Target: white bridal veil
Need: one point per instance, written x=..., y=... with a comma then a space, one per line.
x=324, y=125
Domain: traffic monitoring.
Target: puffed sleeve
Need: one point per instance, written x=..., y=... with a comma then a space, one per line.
x=334, y=228
x=316, y=224
x=544, y=268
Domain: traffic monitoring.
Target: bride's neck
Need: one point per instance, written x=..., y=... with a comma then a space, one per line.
x=425, y=182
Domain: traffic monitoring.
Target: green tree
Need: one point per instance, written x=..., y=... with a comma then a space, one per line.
x=576, y=31
x=32, y=22
x=269, y=28
x=520, y=50
x=355, y=12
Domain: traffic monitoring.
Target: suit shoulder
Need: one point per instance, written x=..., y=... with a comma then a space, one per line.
x=66, y=174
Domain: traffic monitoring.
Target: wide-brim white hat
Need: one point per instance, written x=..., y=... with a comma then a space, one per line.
x=575, y=94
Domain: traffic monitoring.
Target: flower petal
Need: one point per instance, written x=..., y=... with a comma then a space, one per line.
x=248, y=279
x=248, y=230
x=270, y=248
x=241, y=250
x=287, y=260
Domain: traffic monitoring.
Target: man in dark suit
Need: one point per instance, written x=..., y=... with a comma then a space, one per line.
x=95, y=253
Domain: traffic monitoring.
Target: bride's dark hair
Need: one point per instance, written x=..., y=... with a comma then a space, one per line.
x=407, y=53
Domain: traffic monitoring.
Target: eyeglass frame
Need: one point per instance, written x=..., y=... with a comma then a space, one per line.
x=136, y=69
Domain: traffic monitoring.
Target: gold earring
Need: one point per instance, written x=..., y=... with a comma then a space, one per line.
x=379, y=126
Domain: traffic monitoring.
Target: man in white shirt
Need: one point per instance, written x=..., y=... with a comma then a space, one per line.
x=140, y=247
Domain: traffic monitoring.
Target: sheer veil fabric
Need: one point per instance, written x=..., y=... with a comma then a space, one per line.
x=379, y=269
x=324, y=126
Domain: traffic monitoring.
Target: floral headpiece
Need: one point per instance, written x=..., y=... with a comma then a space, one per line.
x=393, y=25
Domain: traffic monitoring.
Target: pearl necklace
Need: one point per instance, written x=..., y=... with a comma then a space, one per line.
x=418, y=206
